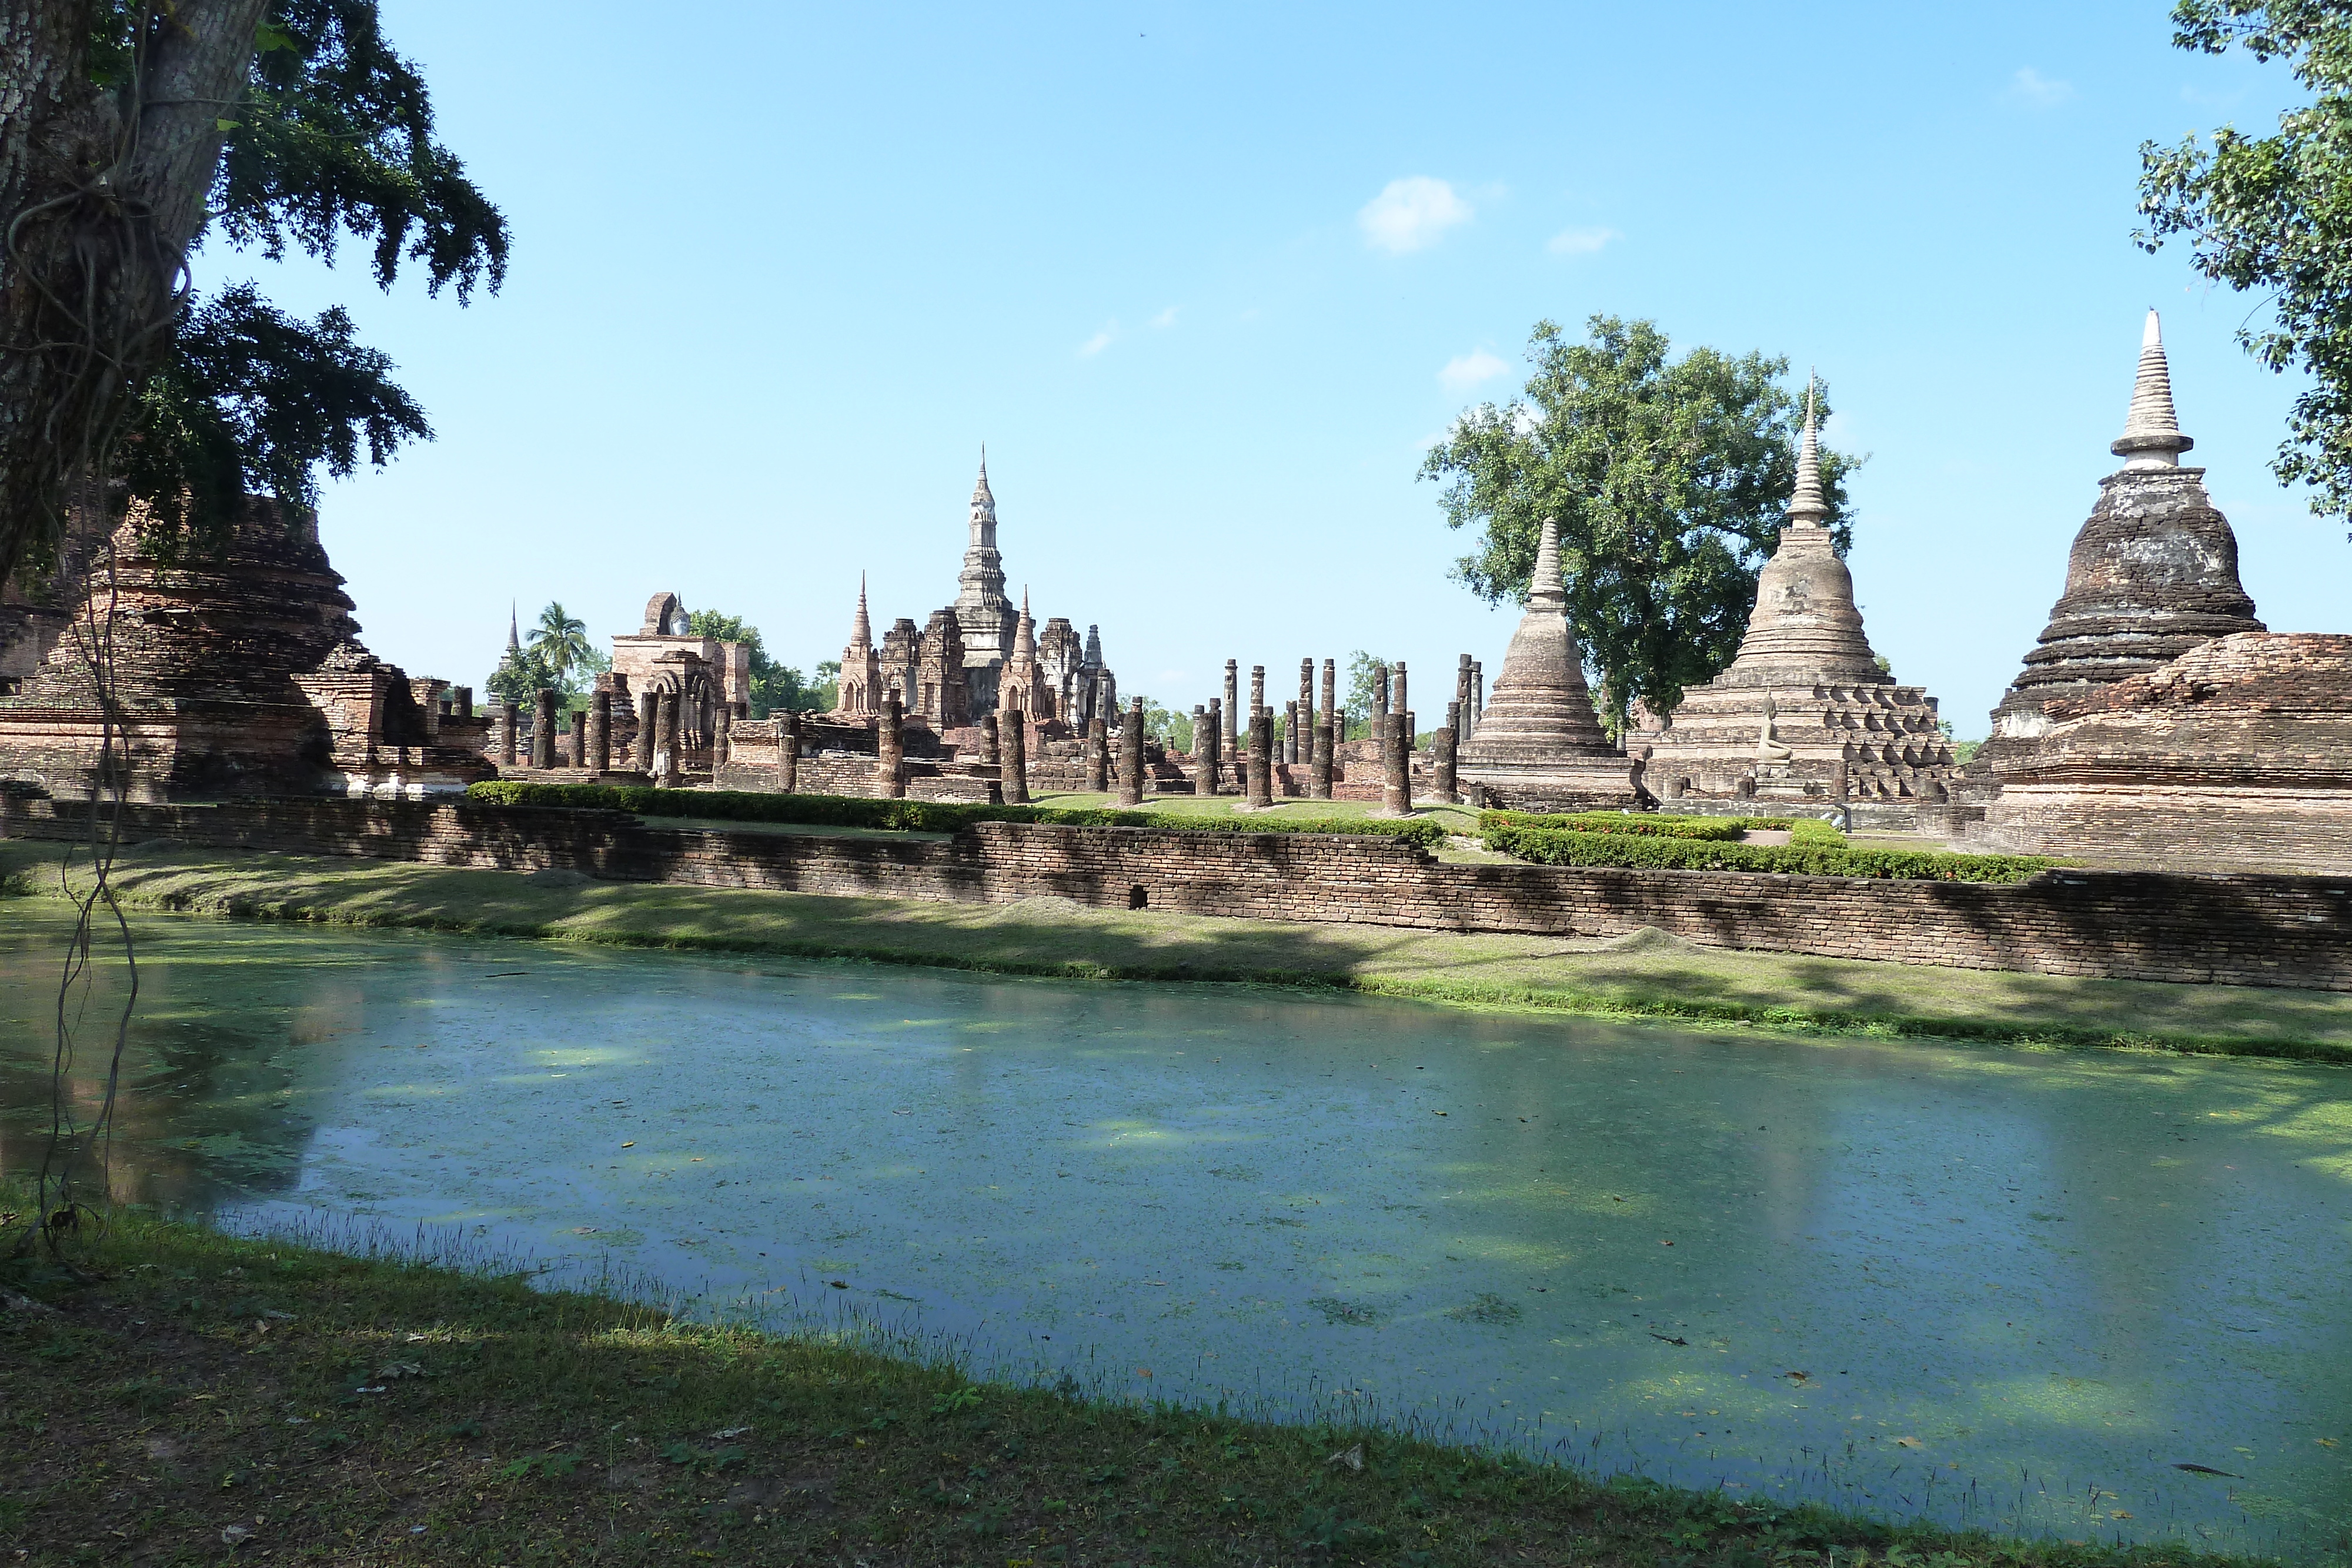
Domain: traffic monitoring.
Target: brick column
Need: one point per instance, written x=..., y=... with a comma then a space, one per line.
x=648, y=730
x=665, y=738
x=1477, y=691
x=1318, y=776
x=461, y=702
x=890, y=751
x=722, y=738
x=600, y=731
x=1130, y=756
x=1098, y=755
x=1444, y=746
x=1261, y=760
x=1306, y=711
x=543, y=729
x=1212, y=773
x=507, y=731
x=1257, y=691
x=579, y=745
x=1232, y=712
x=1396, y=790
x=1013, y=739
x=1380, y=702
x=1397, y=702
x=990, y=752
x=1290, y=734
x=1841, y=780
x=790, y=745
x=1200, y=719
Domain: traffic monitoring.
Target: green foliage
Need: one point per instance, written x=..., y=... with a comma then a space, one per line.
x=2272, y=217
x=560, y=638
x=824, y=695
x=1356, y=705
x=1171, y=729
x=1807, y=854
x=1965, y=751
x=253, y=398
x=1646, y=824
x=915, y=816
x=334, y=136
x=775, y=688
x=1668, y=480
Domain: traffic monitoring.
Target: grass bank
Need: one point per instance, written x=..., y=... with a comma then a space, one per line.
x=194, y=1397
x=1648, y=974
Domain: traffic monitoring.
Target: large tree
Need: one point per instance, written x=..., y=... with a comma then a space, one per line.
x=2273, y=215
x=1668, y=477
x=128, y=130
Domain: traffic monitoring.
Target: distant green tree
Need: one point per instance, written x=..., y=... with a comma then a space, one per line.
x=1356, y=708
x=1668, y=478
x=775, y=688
x=1168, y=727
x=2272, y=216
x=520, y=676
x=561, y=639
x=826, y=692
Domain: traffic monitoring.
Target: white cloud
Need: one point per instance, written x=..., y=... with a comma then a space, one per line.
x=1464, y=371
x=1410, y=213
x=1580, y=242
x=1165, y=318
x=2029, y=85
x=1099, y=342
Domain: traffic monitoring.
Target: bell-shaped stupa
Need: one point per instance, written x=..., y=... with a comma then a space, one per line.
x=1538, y=743
x=2153, y=573
x=1804, y=710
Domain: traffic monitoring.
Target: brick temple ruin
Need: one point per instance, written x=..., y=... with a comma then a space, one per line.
x=1805, y=713
x=2156, y=720
x=978, y=656
x=237, y=671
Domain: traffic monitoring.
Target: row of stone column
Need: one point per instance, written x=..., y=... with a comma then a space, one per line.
x=590, y=742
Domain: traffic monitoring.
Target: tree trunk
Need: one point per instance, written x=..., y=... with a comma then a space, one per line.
x=101, y=193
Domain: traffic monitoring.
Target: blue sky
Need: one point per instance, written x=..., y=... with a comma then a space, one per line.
x=1207, y=280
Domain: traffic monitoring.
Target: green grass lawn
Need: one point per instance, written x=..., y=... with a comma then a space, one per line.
x=1647, y=974
x=182, y=1397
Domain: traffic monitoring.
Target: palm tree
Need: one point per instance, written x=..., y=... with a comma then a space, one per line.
x=561, y=639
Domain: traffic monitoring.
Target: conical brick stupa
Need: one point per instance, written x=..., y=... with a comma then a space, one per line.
x=1803, y=711
x=2153, y=573
x=1538, y=743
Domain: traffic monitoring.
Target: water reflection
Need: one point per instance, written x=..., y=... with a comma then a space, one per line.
x=1989, y=1286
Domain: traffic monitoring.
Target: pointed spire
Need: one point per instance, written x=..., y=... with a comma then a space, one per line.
x=861, y=630
x=514, y=625
x=2151, y=437
x=982, y=498
x=1024, y=633
x=1806, y=507
x=1546, y=589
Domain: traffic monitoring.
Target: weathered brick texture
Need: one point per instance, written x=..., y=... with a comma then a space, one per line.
x=2239, y=929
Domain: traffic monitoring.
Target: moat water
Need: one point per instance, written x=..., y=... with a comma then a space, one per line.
x=1992, y=1286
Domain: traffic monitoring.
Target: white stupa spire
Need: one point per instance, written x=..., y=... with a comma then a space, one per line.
x=1546, y=589
x=2151, y=437
x=1806, y=507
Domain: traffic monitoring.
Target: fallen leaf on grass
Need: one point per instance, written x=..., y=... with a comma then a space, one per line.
x=2208, y=1470
x=726, y=1432
x=1909, y=1443
x=1668, y=1339
x=1352, y=1458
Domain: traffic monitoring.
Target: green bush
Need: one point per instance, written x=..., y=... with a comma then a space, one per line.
x=1807, y=854
x=909, y=816
x=1644, y=824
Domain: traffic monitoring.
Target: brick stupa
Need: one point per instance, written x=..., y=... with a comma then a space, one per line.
x=1804, y=710
x=2153, y=573
x=1539, y=744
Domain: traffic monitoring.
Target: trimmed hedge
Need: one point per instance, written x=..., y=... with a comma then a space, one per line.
x=1643, y=824
x=1809, y=855
x=911, y=816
